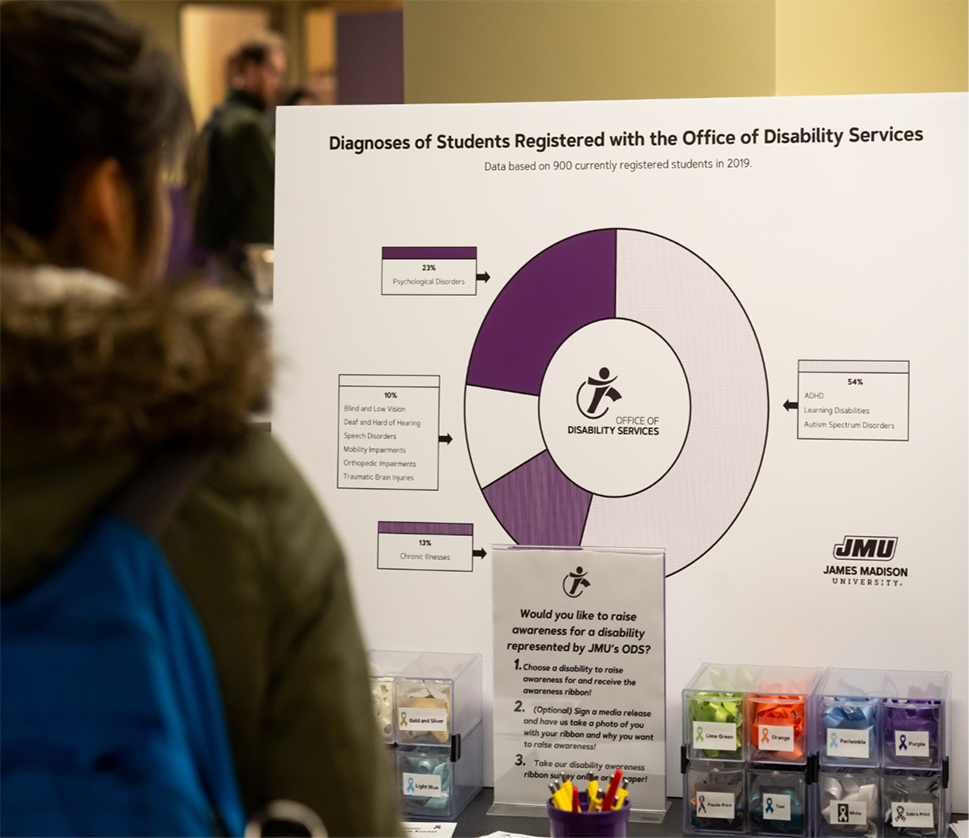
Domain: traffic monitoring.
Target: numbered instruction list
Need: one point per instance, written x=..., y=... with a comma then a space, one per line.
x=388, y=436
x=579, y=672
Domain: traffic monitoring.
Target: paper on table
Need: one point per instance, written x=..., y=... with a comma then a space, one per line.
x=420, y=829
x=960, y=828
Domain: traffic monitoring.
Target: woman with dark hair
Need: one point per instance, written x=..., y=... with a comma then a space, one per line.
x=102, y=367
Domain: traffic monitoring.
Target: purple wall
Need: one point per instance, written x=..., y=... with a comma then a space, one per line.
x=370, y=58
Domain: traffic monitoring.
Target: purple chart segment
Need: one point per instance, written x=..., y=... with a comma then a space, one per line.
x=538, y=505
x=558, y=292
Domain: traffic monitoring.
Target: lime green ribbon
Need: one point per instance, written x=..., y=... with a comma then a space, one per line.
x=722, y=709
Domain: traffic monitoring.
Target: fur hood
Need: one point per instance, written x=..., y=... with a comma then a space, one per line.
x=86, y=362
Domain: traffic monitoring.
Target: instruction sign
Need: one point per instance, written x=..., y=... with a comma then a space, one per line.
x=580, y=674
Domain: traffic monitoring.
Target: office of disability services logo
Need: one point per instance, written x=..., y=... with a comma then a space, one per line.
x=591, y=393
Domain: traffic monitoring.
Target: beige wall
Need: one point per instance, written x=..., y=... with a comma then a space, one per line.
x=543, y=50
x=519, y=50
x=160, y=17
x=862, y=46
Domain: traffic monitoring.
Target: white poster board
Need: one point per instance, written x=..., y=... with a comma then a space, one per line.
x=580, y=675
x=777, y=286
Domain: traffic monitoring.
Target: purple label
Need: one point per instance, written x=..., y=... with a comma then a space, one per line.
x=429, y=253
x=416, y=528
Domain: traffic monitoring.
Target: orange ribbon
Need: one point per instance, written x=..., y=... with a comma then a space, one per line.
x=765, y=710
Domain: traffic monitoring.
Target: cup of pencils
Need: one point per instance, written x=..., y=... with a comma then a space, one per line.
x=600, y=811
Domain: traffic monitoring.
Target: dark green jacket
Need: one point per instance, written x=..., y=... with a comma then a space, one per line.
x=250, y=545
x=236, y=202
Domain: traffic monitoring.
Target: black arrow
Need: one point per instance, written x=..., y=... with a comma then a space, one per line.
x=480, y=553
x=483, y=277
x=446, y=439
x=788, y=405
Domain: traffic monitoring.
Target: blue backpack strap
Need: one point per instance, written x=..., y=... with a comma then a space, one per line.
x=111, y=722
x=149, y=503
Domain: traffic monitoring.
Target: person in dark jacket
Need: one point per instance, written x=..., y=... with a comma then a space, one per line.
x=101, y=366
x=236, y=161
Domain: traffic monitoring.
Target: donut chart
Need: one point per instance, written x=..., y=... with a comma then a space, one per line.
x=616, y=396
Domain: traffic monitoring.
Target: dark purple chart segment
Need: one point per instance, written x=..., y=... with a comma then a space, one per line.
x=564, y=288
x=538, y=505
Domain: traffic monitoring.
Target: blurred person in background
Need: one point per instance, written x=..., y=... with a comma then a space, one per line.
x=102, y=367
x=233, y=172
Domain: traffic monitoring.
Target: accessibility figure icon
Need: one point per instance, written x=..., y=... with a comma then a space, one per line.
x=601, y=388
x=575, y=583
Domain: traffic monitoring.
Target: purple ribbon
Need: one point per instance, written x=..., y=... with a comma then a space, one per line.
x=912, y=716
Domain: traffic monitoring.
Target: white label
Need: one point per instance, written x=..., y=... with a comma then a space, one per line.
x=720, y=736
x=849, y=744
x=775, y=738
x=777, y=807
x=422, y=718
x=428, y=829
x=421, y=785
x=389, y=432
x=420, y=551
x=714, y=804
x=428, y=277
x=913, y=815
x=853, y=814
x=911, y=743
x=873, y=397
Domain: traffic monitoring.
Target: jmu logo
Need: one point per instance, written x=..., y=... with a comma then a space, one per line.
x=879, y=548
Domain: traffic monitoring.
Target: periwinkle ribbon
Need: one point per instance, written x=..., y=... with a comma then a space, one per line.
x=849, y=714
